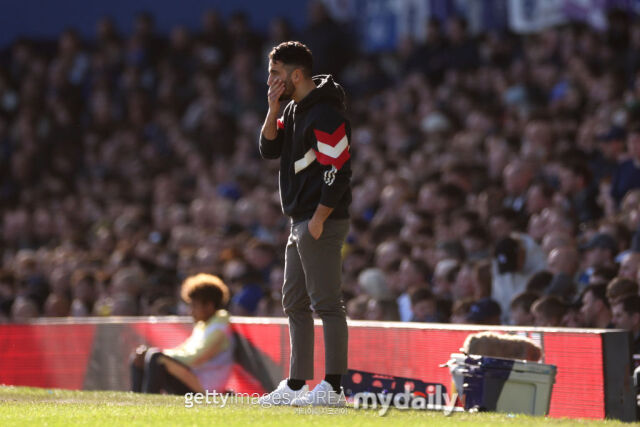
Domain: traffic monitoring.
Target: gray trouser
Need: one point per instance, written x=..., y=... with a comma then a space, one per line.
x=312, y=279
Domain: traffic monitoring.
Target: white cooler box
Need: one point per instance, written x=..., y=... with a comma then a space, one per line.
x=503, y=385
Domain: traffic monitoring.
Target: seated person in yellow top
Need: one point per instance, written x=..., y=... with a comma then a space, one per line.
x=204, y=361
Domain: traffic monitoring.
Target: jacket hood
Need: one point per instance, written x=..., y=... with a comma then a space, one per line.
x=326, y=91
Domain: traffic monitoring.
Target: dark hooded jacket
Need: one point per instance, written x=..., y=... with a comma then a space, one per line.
x=313, y=144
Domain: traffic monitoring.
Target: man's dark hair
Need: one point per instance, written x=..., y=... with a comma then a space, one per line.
x=621, y=287
x=539, y=282
x=453, y=193
x=630, y=304
x=608, y=273
x=599, y=291
x=443, y=309
x=462, y=307
x=293, y=53
x=478, y=232
x=547, y=190
x=470, y=216
x=550, y=307
x=580, y=169
x=524, y=300
x=422, y=267
x=420, y=294
x=509, y=215
x=633, y=128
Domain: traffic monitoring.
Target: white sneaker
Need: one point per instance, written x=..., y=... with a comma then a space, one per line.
x=322, y=395
x=282, y=395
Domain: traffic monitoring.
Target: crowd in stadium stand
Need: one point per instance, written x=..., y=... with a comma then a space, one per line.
x=496, y=177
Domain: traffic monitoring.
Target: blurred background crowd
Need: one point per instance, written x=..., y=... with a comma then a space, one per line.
x=496, y=176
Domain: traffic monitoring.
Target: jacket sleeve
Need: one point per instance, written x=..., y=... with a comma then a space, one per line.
x=330, y=136
x=272, y=148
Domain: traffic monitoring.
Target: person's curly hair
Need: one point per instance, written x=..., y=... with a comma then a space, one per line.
x=205, y=288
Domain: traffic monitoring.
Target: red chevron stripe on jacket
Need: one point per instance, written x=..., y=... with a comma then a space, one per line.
x=333, y=148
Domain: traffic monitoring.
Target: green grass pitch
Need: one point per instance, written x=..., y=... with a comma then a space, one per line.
x=20, y=406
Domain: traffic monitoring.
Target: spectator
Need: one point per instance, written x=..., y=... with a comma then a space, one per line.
x=503, y=223
x=573, y=316
x=627, y=175
x=626, y=315
x=516, y=259
x=619, y=288
x=465, y=283
x=23, y=309
x=539, y=282
x=611, y=146
x=373, y=283
x=520, y=309
x=56, y=306
x=461, y=52
x=517, y=177
x=357, y=307
x=246, y=299
x=603, y=275
x=576, y=186
x=322, y=36
x=429, y=57
x=84, y=293
x=411, y=274
x=629, y=265
x=484, y=312
x=596, y=311
x=460, y=311
x=600, y=251
x=381, y=310
x=548, y=311
x=423, y=306
x=539, y=197
x=555, y=239
x=444, y=277
x=476, y=243
x=563, y=262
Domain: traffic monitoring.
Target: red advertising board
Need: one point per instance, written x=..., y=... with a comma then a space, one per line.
x=92, y=354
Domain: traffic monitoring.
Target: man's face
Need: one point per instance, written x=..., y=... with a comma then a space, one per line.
x=279, y=72
x=589, y=310
x=611, y=149
x=622, y=319
x=202, y=310
x=463, y=287
x=511, y=179
x=521, y=317
x=425, y=310
x=573, y=319
x=629, y=266
x=536, y=201
x=540, y=319
x=633, y=145
x=554, y=262
x=599, y=257
x=499, y=227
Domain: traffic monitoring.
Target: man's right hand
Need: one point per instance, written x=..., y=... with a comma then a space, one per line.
x=273, y=96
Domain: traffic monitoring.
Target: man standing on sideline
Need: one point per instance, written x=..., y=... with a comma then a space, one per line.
x=311, y=139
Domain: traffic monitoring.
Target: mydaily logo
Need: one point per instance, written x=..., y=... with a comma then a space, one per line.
x=437, y=401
